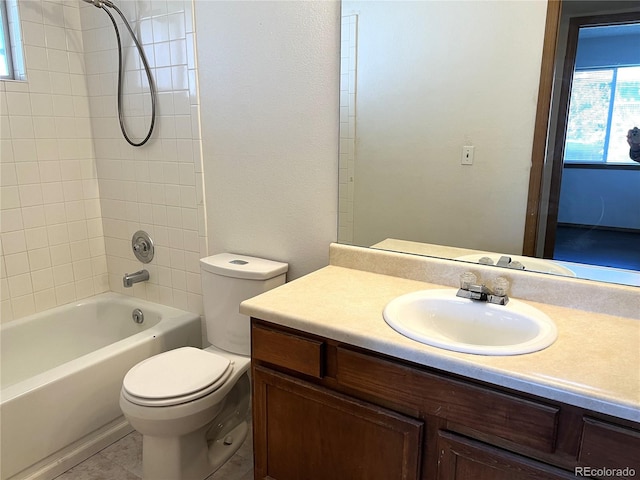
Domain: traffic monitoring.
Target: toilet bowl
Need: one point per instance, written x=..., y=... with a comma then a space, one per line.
x=193, y=419
x=192, y=406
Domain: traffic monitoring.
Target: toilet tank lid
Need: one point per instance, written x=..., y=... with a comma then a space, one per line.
x=242, y=266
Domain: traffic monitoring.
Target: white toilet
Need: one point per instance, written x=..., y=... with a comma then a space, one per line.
x=190, y=405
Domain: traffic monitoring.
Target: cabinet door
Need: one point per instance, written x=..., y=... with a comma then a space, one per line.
x=302, y=431
x=460, y=458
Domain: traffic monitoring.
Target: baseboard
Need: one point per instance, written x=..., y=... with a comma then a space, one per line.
x=603, y=228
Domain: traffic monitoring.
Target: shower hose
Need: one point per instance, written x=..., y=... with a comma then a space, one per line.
x=152, y=89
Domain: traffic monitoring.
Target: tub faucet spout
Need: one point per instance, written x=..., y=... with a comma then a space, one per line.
x=130, y=278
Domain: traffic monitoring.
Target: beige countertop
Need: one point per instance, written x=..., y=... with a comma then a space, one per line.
x=594, y=363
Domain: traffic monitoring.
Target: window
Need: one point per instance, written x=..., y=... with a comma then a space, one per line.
x=11, y=57
x=6, y=63
x=604, y=105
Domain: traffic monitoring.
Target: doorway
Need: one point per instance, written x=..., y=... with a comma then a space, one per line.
x=581, y=204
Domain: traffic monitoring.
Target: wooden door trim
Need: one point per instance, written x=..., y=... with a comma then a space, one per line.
x=540, y=132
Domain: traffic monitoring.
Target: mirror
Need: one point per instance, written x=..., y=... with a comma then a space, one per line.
x=420, y=82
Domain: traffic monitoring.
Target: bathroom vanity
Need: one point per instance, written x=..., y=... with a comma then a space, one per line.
x=339, y=394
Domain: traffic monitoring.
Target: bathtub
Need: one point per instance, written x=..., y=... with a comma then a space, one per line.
x=61, y=373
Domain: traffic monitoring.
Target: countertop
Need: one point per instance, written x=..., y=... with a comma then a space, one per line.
x=594, y=363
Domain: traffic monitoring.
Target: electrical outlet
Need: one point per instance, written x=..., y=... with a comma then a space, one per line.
x=467, y=155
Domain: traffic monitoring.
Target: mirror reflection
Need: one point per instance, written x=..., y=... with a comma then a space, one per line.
x=438, y=108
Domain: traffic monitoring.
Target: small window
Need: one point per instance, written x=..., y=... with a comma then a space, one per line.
x=11, y=57
x=6, y=62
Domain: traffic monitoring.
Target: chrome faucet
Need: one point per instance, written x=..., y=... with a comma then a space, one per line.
x=469, y=288
x=505, y=261
x=130, y=278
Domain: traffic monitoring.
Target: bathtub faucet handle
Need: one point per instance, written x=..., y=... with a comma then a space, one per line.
x=142, y=246
x=130, y=278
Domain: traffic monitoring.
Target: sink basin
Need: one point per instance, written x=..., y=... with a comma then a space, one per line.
x=531, y=264
x=440, y=319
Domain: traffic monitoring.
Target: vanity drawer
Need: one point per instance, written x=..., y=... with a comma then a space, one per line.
x=300, y=354
x=606, y=445
x=508, y=417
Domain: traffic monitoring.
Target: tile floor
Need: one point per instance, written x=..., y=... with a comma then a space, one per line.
x=123, y=461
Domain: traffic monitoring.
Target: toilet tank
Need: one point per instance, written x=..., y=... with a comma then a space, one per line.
x=227, y=280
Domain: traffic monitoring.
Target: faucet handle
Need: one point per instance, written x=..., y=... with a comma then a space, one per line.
x=467, y=279
x=500, y=286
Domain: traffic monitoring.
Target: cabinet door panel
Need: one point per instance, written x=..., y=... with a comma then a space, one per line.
x=303, y=431
x=460, y=458
x=605, y=445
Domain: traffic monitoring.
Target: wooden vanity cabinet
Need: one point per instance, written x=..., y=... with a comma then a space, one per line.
x=326, y=410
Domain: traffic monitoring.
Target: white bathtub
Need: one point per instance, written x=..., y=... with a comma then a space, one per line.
x=61, y=373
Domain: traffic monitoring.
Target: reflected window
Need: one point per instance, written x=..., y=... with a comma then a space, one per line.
x=604, y=105
x=605, y=95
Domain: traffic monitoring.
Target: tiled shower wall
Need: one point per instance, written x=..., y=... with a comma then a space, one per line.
x=156, y=187
x=52, y=244
x=348, y=84
x=73, y=191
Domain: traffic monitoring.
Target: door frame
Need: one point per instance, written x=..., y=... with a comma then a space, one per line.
x=541, y=127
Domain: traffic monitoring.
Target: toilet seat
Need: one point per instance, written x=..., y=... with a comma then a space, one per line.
x=176, y=376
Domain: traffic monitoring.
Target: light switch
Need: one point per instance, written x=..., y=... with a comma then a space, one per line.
x=467, y=155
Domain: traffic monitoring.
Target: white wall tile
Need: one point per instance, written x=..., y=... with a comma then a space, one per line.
x=8, y=176
x=65, y=293
x=22, y=305
x=42, y=279
x=60, y=254
x=20, y=285
x=9, y=197
x=21, y=127
x=45, y=299
x=45, y=127
x=13, y=242
x=55, y=214
x=39, y=259
x=58, y=234
x=50, y=171
x=63, y=274
x=33, y=216
x=52, y=193
x=11, y=220
x=16, y=264
x=37, y=237
x=18, y=103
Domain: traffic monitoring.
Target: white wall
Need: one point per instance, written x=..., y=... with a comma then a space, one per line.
x=269, y=81
x=432, y=77
x=601, y=197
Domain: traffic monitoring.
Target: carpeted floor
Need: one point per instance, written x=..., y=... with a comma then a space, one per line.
x=598, y=247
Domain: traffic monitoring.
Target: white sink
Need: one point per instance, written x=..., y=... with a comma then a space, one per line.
x=531, y=264
x=440, y=319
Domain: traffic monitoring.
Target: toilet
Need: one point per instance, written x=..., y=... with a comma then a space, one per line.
x=191, y=405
